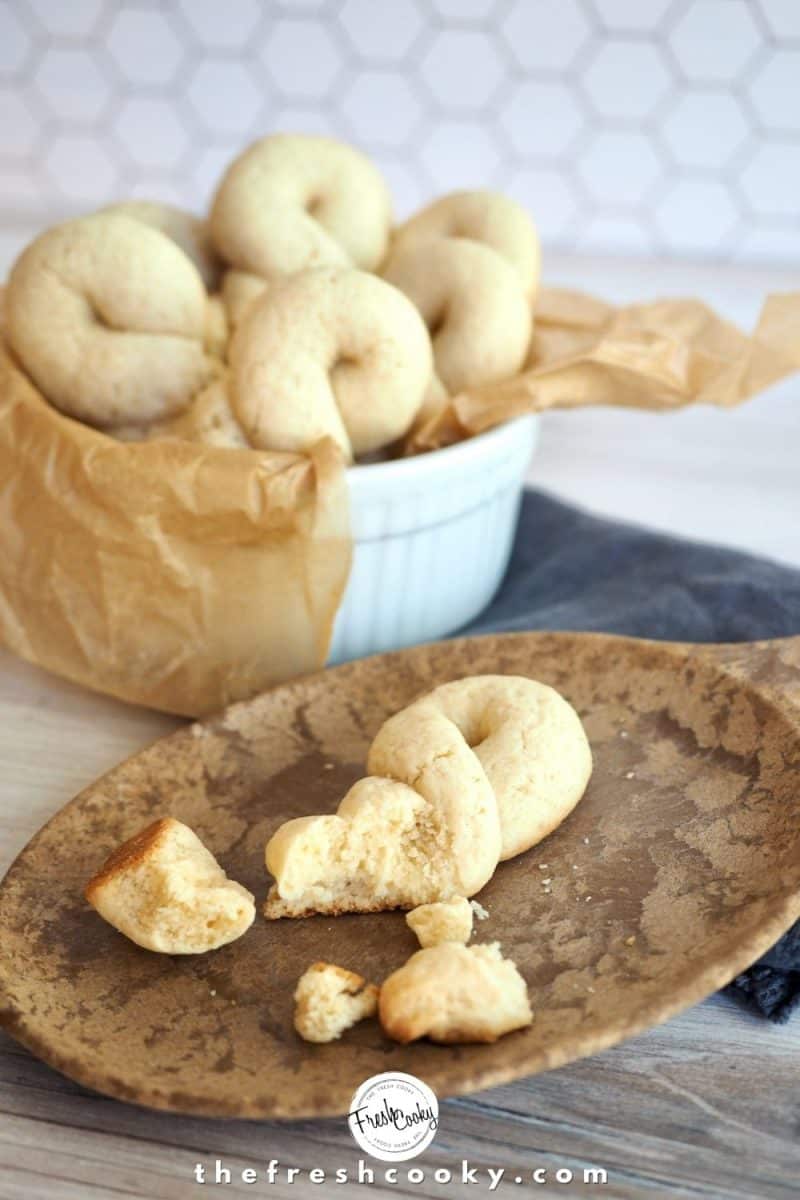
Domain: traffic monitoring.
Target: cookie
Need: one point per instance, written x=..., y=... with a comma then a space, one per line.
x=109, y=318
x=442, y=921
x=531, y=744
x=487, y=217
x=331, y=352
x=293, y=201
x=473, y=304
x=454, y=993
x=328, y=1000
x=423, y=826
x=165, y=891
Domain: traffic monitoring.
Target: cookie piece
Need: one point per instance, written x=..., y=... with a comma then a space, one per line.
x=442, y=921
x=454, y=993
x=165, y=891
x=328, y=1000
x=390, y=845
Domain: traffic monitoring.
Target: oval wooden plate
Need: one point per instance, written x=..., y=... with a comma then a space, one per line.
x=679, y=867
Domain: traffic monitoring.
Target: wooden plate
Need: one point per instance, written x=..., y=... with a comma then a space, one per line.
x=680, y=866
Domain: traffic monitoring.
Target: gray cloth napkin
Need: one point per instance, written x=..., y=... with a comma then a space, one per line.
x=571, y=570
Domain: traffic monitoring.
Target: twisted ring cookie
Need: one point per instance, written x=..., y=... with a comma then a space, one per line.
x=109, y=318
x=186, y=230
x=290, y=202
x=329, y=352
x=423, y=825
x=475, y=771
x=487, y=217
x=471, y=300
x=530, y=742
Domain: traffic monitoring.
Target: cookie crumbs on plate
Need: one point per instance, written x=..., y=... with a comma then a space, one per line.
x=623, y=733
x=630, y=941
x=543, y=866
x=480, y=912
x=630, y=774
x=328, y=766
x=212, y=992
x=588, y=898
x=546, y=882
x=586, y=841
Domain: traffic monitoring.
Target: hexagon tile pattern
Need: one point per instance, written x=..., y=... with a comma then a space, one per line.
x=662, y=127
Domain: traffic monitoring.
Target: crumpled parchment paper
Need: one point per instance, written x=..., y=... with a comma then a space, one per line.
x=168, y=574
x=660, y=356
x=184, y=577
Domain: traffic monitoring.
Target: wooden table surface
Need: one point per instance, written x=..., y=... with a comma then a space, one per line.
x=705, y=1106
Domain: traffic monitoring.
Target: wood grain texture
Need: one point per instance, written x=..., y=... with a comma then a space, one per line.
x=704, y=1106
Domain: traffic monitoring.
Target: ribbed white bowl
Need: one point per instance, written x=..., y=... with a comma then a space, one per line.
x=432, y=537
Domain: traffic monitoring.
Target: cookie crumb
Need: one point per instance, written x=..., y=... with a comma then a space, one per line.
x=213, y=992
x=623, y=733
x=588, y=898
x=480, y=912
x=542, y=866
x=630, y=941
x=546, y=882
x=630, y=774
x=328, y=766
x=586, y=841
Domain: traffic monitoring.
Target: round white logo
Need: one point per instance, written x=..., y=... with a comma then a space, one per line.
x=394, y=1116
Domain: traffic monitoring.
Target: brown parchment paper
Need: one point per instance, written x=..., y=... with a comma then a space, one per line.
x=169, y=574
x=183, y=577
x=660, y=356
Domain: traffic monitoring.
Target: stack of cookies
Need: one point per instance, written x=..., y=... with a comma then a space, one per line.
x=295, y=311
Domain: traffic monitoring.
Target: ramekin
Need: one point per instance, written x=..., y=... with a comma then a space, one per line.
x=432, y=536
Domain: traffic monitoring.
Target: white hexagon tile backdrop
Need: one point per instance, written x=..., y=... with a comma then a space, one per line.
x=667, y=127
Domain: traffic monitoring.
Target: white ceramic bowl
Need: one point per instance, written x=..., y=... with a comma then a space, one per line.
x=432, y=538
